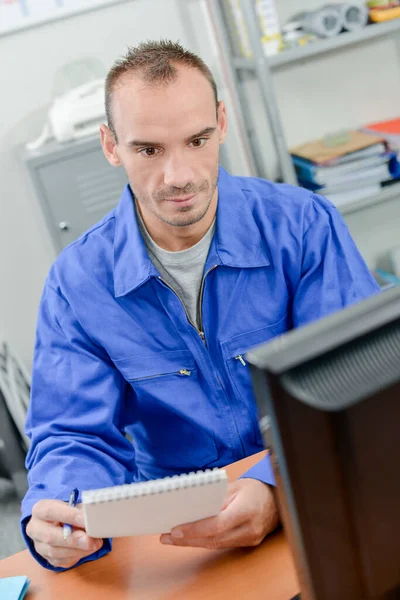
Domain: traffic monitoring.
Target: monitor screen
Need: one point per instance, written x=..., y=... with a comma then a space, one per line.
x=329, y=404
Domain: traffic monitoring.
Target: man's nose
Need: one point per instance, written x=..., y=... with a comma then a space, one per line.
x=178, y=172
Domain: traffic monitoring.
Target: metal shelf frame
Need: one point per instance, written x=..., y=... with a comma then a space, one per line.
x=319, y=47
x=386, y=194
x=263, y=68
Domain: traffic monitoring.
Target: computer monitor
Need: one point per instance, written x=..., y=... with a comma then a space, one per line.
x=329, y=401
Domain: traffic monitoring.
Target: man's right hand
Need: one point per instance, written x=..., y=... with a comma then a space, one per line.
x=45, y=528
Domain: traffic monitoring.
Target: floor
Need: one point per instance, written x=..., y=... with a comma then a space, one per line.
x=11, y=540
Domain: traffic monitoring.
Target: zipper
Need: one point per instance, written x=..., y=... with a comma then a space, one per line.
x=199, y=331
x=182, y=372
x=241, y=359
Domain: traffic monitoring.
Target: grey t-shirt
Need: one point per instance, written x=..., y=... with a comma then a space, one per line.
x=183, y=270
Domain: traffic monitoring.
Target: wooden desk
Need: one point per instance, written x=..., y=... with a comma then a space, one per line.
x=143, y=569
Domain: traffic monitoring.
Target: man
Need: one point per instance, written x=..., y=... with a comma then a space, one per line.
x=145, y=320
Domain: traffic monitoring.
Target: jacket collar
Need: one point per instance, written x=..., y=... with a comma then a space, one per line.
x=237, y=240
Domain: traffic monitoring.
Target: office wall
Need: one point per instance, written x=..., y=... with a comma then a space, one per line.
x=28, y=62
x=345, y=89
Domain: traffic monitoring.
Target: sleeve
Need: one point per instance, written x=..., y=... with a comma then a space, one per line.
x=333, y=272
x=262, y=471
x=333, y=275
x=76, y=415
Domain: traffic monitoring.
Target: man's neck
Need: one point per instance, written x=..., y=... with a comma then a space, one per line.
x=173, y=238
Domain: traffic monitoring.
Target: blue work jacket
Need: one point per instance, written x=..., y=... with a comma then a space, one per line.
x=115, y=353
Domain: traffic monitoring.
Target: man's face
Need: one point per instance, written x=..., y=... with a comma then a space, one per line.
x=168, y=142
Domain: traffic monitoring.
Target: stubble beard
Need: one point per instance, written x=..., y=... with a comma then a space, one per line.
x=193, y=215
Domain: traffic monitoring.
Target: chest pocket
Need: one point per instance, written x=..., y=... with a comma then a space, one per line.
x=234, y=353
x=172, y=429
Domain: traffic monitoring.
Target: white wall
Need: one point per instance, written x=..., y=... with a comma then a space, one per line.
x=28, y=62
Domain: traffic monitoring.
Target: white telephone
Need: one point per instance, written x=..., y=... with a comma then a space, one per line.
x=73, y=115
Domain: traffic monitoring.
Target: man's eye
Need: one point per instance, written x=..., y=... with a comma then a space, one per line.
x=148, y=151
x=198, y=142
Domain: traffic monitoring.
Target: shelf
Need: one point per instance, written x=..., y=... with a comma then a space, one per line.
x=245, y=64
x=323, y=46
x=387, y=193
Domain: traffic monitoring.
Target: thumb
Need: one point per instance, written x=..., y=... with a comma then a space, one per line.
x=230, y=495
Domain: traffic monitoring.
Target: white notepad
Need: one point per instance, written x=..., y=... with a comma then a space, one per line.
x=154, y=507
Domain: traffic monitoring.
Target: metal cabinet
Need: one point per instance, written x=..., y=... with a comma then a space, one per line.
x=75, y=185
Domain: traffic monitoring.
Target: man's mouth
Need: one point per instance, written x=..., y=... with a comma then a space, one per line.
x=182, y=199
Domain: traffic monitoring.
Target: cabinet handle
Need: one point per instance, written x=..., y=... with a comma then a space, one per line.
x=63, y=225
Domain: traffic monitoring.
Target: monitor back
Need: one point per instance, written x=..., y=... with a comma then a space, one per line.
x=332, y=423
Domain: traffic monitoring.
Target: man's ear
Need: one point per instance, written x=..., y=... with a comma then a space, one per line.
x=222, y=122
x=109, y=146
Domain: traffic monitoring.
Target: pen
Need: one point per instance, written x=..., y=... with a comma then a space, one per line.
x=73, y=498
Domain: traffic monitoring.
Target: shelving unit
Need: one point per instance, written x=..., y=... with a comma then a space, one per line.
x=263, y=68
x=323, y=46
x=385, y=195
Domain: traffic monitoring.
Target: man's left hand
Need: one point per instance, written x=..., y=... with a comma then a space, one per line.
x=248, y=515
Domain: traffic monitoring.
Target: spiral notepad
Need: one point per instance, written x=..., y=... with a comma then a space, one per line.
x=154, y=507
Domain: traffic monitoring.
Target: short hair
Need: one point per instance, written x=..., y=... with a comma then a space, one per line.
x=156, y=62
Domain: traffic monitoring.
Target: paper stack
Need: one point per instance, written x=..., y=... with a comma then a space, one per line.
x=346, y=168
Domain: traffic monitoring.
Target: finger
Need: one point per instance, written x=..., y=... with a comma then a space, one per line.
x=212, y=526
x=64, y=563
x=239, y=537
x=53, y=552
x=52, y=535
x=204, y=528
x=56, y=510
x=230, y=495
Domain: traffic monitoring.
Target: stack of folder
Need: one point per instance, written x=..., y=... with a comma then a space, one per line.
x=389, y=130
x=383, y=10
x=348, y=167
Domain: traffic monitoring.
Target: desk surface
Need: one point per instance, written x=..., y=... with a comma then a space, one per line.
x=143, y=569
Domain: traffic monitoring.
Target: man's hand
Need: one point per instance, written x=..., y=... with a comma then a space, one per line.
x=45, y=529
x=249, y=513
